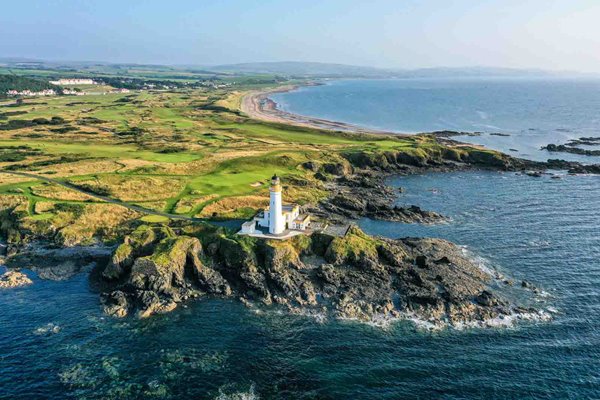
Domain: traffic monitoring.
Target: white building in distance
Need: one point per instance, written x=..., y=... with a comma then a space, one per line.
x=45, y=92
x=278, y=221
x=74, y=81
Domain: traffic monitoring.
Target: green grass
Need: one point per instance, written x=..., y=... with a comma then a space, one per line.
x=95, y=150
x=234, y=177
x=42, y=217
x=158, y=219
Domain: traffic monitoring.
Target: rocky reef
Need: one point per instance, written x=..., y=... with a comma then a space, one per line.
x=354, y=276
x=365, y=194
x=12, y=279
x=572, y=146
x=561, y=148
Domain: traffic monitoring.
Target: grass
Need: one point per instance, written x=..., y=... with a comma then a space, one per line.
x=235, y=177
x=96, y=150
x=158, y=219
x=189, y=152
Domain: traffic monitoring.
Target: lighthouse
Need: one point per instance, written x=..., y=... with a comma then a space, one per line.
x=276, y=220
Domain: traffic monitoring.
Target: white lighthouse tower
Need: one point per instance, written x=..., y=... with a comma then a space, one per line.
x=276, y=220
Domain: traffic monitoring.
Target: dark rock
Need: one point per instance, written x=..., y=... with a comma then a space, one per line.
x=535, y=174
x=421, y=261
x=486, y=298
x=339, y=169
x=321, y=177
x=348, y=202
x=320, y=243
x=311, y=166
x=571, y=149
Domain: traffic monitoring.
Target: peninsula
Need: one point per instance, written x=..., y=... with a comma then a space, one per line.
x=140, y=186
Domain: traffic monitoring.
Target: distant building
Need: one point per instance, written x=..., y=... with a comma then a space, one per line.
x=46, y=92
x=74, y=81
x=278, y=220
x=74, y=92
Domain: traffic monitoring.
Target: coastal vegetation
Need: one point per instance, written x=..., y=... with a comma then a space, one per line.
x=188, y=152
x=143, y=179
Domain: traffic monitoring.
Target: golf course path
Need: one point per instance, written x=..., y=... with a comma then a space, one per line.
x=133, y=207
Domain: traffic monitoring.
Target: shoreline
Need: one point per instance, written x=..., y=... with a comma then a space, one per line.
x=258, y=105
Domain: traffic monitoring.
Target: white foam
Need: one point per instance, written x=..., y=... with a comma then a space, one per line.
x=505, y=321
x=49, y=328
x=538, y=243
x=319, y=316
x=249, y=395
x=386, y=321
x=502, y=321
x=480, y=262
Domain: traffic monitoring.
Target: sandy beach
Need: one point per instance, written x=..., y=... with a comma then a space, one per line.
x=257, y=104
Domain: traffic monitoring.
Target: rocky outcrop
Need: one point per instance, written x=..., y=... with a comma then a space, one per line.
x=350, y=206
x=366, y=195
x=356, y=276
x=155, y=283
x=139, y=243
x=561, y=148
x=58, y=263
x=573, y=167
x=12, y=279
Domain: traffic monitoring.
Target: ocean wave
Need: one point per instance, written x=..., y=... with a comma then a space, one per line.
x=481, y=262
x=225, y=393
x=47, y=329
x=386, y=322
x=539, y=243
x=505, y=321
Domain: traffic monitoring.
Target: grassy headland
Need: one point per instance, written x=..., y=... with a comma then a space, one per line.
x=190, y=152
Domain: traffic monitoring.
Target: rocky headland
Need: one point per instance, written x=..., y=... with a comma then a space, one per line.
x=349, y=275
x=154, y=267
x=354, y=276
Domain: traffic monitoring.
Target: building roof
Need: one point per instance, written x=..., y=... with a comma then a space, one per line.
x=302, y=218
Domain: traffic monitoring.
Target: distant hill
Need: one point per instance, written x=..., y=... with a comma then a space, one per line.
x=456, y=72
x=315, y=69
x=288, y=69
x=297, y=68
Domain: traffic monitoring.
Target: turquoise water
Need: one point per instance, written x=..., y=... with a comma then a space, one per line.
x=540, y=229
x=534, y=112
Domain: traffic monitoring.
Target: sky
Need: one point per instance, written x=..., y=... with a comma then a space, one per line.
x=549, y=34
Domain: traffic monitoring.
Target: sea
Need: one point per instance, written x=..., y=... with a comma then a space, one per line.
x=55, y=342
x=528, y=113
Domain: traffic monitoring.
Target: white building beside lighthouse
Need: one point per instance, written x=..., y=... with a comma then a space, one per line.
x=278, y=221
